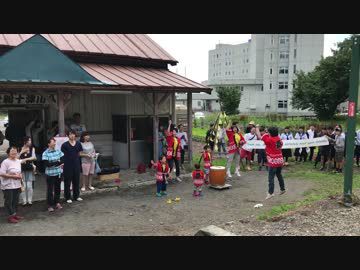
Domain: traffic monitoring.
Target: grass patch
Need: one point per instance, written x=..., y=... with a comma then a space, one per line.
x=327, y=184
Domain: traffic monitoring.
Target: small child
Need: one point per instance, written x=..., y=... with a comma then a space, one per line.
x=162, y=173
x=198, y=178
x=207, y=163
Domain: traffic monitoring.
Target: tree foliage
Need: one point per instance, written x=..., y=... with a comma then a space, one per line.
x=324, y=88
x=229, y=98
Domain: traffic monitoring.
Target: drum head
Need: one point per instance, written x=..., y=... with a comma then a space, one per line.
x=217, y=168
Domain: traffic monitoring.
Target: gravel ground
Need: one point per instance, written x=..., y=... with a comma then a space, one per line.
x=324, y=218
x=138, y=212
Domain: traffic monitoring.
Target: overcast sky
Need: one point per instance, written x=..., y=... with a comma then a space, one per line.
x=191, y=50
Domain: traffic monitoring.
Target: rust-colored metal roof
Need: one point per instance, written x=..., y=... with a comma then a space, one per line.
x=130, y=45
x=143, y=78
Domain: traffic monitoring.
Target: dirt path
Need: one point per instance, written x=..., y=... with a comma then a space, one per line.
x=139, y=212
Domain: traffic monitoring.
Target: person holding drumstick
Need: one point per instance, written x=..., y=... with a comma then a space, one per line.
x=274, y=156
x=235, y=141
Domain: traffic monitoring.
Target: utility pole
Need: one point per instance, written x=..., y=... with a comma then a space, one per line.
x=351, y=121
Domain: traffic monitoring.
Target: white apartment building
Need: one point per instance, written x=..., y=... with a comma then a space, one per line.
x=264, y=69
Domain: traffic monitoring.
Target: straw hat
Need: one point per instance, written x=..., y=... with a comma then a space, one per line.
x=252, y=123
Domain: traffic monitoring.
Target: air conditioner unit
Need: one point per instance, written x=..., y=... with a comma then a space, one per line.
x=252, y=107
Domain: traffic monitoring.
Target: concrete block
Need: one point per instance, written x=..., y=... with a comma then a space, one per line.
x=213, y=230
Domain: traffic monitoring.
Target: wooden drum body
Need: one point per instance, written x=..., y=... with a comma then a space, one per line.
x=217, y=175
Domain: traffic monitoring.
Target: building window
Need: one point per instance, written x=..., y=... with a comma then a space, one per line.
x=229, y=63
x=284, y=39
x=283, y=85
x=225, y=63
x=295, y=38
x=270, y=56
x=270, y=86
x=242, y=88
x=284, y=55
x=262, y=88
x=294, y=69
x=282, y=104
x=283, y=70
x=199, y=103
x=247, y=60
x=233, y=72
x=246, y=71
x=217, y=56
x=294, y=53
x=243, y=50
x=270, y=70
x=272, y=40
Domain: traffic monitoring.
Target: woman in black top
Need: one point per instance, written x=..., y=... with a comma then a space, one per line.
x=72, y=151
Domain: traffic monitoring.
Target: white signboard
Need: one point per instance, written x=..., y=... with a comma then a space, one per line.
x=60, y=141
x=289, y=144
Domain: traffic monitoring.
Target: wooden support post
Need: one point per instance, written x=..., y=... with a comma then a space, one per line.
x=173, y=108
x=189, y=129
x=156, y=126
x=61, y=113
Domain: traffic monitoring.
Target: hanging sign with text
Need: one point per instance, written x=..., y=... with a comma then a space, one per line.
x=289, y=144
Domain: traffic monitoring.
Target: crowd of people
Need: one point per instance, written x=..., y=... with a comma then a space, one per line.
x=77, y=157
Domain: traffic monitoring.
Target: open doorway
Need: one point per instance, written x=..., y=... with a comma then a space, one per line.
x=18, y=122
x=4, y=143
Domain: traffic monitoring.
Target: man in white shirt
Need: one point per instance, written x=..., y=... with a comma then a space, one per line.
x=221, y=139
x=312, y=134
x=251, y=136
x=77, y=126
x=183, y=142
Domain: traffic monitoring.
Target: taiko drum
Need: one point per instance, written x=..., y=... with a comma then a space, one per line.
x=217, y=175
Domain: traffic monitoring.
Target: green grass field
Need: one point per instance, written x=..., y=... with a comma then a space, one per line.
x=326, y=184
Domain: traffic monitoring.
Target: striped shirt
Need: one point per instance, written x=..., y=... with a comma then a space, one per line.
x=52, y=156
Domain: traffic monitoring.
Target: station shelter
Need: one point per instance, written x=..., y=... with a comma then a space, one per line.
x=119, y=83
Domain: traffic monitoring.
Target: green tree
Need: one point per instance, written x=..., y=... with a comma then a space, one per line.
x=324, y=88
x=229, y=98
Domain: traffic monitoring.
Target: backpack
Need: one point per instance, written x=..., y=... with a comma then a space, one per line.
x=141, y=168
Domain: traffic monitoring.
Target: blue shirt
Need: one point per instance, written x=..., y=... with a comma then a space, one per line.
x=52, y=156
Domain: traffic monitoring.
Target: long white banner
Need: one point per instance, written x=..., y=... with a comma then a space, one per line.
x=289, y=144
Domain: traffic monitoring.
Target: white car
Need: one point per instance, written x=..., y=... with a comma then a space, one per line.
x=199, y=115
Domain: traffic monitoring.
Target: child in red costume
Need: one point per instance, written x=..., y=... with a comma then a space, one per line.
x=162, y=173
x=207, y=163
x=198, y=180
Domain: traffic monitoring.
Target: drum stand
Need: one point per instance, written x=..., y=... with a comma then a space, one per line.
x=226, y=186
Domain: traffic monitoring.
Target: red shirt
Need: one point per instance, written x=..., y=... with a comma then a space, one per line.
x=160, y=172
x=171, y=152
x=207, y=160
x=201, y=175
x=232, y=147
x=273, y=151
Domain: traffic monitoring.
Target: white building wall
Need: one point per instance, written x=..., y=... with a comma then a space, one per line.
x=261, y=59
